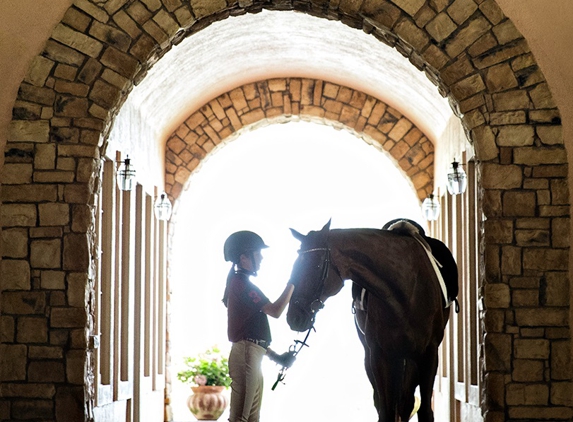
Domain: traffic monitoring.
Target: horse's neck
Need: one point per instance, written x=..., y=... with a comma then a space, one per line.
x=367, y=256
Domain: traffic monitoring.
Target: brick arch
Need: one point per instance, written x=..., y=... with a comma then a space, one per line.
x=469, y=49
x=291, y=98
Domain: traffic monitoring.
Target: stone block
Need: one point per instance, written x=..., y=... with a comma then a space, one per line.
x=46, y=253
x=538, y=413
x=78, y=289
x=77, y=40
x=68, y=317
x=16, y=173
x=467, y=35
x=561, y=394
x=17, y=215
x=515, y=136
x=521, y=394
x=46, y=371
x=29, y=131
x=534, y=156
x=550, y=135
x=468, y=87
x=539, y=317
x=7, y=329
x=500, y=78
x=525, y=298
x=497, y=352
x=75, y=364
x=543, y=259
x=511, y=260
x=120, y=62
x=32, y=330
x=499, y=231
x=52, y=280
x=497, y=295
x=13, y=359
x=39, y=71
x=511, y=100
x=527, y=370
x=29, y=193
x=46, y=352
x=33, y=409
x=70, y=403
x=28, y=390
x=532, y=237
x=77, y=193
x=15, y=274
x=45, y=157
x=14, y=243
x=531, y=348
x=559, y=192
x=54, y=214
x=519, y=204
x=76, y=252
x=22, y=303
x=557, y=290
x=541, y=96
x=561, y=360
x=495, y=176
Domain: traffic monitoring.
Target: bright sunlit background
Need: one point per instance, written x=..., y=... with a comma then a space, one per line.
x=297, y=175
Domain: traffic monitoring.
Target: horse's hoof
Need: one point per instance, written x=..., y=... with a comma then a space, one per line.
x=417, y=403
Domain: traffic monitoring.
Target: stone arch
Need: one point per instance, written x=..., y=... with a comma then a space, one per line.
x=469, y=49
x=290, y=98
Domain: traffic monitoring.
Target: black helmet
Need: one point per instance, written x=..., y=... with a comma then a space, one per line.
x=241, y=242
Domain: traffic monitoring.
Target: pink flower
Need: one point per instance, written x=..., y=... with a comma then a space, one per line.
x=200, y=379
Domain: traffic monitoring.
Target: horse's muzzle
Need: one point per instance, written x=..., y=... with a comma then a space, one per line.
x=298, y=319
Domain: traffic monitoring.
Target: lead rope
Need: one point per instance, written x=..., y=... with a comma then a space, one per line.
x=298, y=345
x=294, y=349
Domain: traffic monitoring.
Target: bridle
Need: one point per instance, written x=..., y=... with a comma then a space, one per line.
x=315, y=306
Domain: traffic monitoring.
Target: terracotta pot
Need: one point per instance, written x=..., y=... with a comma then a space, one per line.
x=208, y=402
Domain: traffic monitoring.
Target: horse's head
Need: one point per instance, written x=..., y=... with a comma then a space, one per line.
x=314, y=276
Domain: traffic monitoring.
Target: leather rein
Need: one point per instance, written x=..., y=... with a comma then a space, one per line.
x=315, y=306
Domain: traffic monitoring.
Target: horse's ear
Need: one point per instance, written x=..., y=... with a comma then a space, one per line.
x=300, y=237
x=326, y=226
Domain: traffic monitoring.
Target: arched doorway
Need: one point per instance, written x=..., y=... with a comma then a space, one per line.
x=473, y=53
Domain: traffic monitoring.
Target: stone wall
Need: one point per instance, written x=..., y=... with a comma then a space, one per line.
x=470, y=50
x=286, y=99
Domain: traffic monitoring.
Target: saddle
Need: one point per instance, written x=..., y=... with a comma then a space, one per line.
x=438, y=253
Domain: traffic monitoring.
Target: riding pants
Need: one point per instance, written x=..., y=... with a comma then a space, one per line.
x=247, y=386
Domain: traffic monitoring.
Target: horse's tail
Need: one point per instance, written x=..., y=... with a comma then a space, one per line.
x=410, y=379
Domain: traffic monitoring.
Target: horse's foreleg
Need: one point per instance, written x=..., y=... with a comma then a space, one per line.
x=360, y=322
x=428, y=366
x=387, y=374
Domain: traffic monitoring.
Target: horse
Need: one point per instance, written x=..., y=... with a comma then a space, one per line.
x=401, y=307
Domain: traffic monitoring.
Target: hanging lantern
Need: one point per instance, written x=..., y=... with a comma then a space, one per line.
x=431, y=208
x=163, y=207
x=126, y=175
x=457, y=179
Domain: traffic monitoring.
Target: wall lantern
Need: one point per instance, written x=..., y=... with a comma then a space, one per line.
x=126, y=175
x=431, y=208
x=163, y=207
x=457, y=179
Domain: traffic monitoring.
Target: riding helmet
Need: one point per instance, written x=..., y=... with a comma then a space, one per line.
x=240, y=242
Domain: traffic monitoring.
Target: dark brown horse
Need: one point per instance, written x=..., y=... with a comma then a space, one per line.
x=400, y=308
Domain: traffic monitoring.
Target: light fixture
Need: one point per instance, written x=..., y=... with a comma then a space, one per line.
x=457, y=179
x=431, y=208
x=126, y=175
x=163, y=207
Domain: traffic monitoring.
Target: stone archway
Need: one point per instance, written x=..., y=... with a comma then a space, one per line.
x=265, y=101
x=469, y=49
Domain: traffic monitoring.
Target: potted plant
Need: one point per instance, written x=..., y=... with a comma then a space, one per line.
x=208, y=376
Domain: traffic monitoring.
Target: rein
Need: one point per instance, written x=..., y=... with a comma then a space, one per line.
x=298, y=344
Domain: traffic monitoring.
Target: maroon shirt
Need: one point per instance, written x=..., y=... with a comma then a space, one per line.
x=245, y=318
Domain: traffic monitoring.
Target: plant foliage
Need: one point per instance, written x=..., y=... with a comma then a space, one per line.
x=208, y=368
